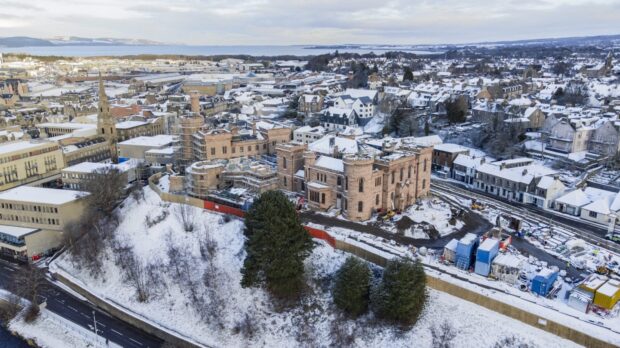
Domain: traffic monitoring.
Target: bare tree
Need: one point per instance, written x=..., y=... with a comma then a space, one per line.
x=106, y=190
x=143, y=277
x=27, y=284
x=185, y=213
x=443, y=335
x=511, y=342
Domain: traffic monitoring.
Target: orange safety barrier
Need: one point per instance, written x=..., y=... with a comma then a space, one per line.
x=320, y=234
x=314, y=232
x=223, y=209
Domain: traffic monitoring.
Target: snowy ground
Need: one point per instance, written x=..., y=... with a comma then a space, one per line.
x=432, y=218
x=52, y=331
x=172, y=307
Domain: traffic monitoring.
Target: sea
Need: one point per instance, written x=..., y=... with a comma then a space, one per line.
x=123, y=50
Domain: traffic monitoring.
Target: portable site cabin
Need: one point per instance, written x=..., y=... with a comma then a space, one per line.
x=506, y=267
x=543, y=281
x=485, y=255
x=592, y=283
x=608, y=294
x=466, y=251
x=449, y=251
x=580, y=299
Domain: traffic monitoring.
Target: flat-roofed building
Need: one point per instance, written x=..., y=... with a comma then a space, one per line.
x=25, y=162
x=32, y=219
x=77, y=150
x=78, y=176
x=64, y=128
x=133, y=129
x=137, y=147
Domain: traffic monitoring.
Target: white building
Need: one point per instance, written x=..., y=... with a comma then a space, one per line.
x=307, y=134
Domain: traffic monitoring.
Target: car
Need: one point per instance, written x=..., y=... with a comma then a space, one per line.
x=614, y=237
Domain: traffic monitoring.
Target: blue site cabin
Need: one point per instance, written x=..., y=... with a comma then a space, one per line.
x=543, y=281
x=466, y=251
x=485, y=255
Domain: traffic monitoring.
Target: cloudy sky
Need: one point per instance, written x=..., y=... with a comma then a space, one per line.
x=234, y=22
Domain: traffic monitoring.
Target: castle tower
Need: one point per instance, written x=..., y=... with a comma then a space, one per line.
x=106, y=126
x=359, y=188
x=290, y=160
x=195, y=101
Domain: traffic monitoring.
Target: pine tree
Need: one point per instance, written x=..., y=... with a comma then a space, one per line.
x=352, y=286
x=276, y=246
x=408, y=75
x=401, y=295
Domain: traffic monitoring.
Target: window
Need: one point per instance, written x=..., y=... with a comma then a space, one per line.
x=249, y=148
x=234, y=149
x=314, y=196
x=425, y=160
x=361, y=185
x=393, y=175
x=378, y=181
x=284, y=180
x=284, y=162
x=339, y=181
x=377, y=199
x=360, y=206
x=212, y=151
x=224, y=149
x=346, y=182
x=592, y=214
x=409, y=172
x=401, y=174
x=423, y=184
x=322, y=198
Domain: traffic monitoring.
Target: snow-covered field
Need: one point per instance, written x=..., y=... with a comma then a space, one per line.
x=237, y=309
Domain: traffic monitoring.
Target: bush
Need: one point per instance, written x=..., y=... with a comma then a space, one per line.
x=401, y=295
x=32, y=313
x=352, y=287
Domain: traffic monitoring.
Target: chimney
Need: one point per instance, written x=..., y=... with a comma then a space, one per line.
x=524, y=172
x=336, y=153
x=332, y=141
x=502, y=166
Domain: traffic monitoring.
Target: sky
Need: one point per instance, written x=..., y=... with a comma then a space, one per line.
x=285, y=22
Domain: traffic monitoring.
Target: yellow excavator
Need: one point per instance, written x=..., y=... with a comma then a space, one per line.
x=475, y=205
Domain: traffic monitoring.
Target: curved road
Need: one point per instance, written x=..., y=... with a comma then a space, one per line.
x=80, y=312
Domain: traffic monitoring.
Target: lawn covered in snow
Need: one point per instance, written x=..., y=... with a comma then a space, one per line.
x=209, y=306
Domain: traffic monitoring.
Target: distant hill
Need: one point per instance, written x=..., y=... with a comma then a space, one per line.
x=24, y=41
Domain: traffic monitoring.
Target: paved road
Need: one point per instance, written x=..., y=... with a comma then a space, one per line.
x=81, y=313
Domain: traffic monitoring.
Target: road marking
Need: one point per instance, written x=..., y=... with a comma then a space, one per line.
x=72, y=308
x=135, y=341
x=116, y=332
x=8, y=269
x=100, y=324
x=59, y=301
x=85, y=316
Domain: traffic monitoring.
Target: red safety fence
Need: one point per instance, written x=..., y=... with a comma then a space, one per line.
x=223, y=209
x=320, y=234
x=314, y=232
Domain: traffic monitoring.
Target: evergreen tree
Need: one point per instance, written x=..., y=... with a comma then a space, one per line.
x=456, y=109
x=408, y=76
x=276, y=246
x=401, y=295
x=352, y=286
x=427, y=128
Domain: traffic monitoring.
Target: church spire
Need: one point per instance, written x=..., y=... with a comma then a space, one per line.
x=106, y=126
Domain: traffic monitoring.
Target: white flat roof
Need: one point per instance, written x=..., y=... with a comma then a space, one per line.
x=156, y=140
x=21, y=146
x=16, y=231
x=29, y=194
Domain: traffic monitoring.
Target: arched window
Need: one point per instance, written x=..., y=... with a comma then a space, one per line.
x=361, y=188
x=284, y=162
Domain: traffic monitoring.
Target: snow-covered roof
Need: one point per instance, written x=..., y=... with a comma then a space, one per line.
x=452, y=148
x=545, y=182
x=508, y=260
x=330, y=163
x=15, y=231
x=326, y=147
x=21, y=146
x=42, y=195
x=155, y=141
x=610, y=288
x=452, y=244
x=489, y=244
x=129, y=124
